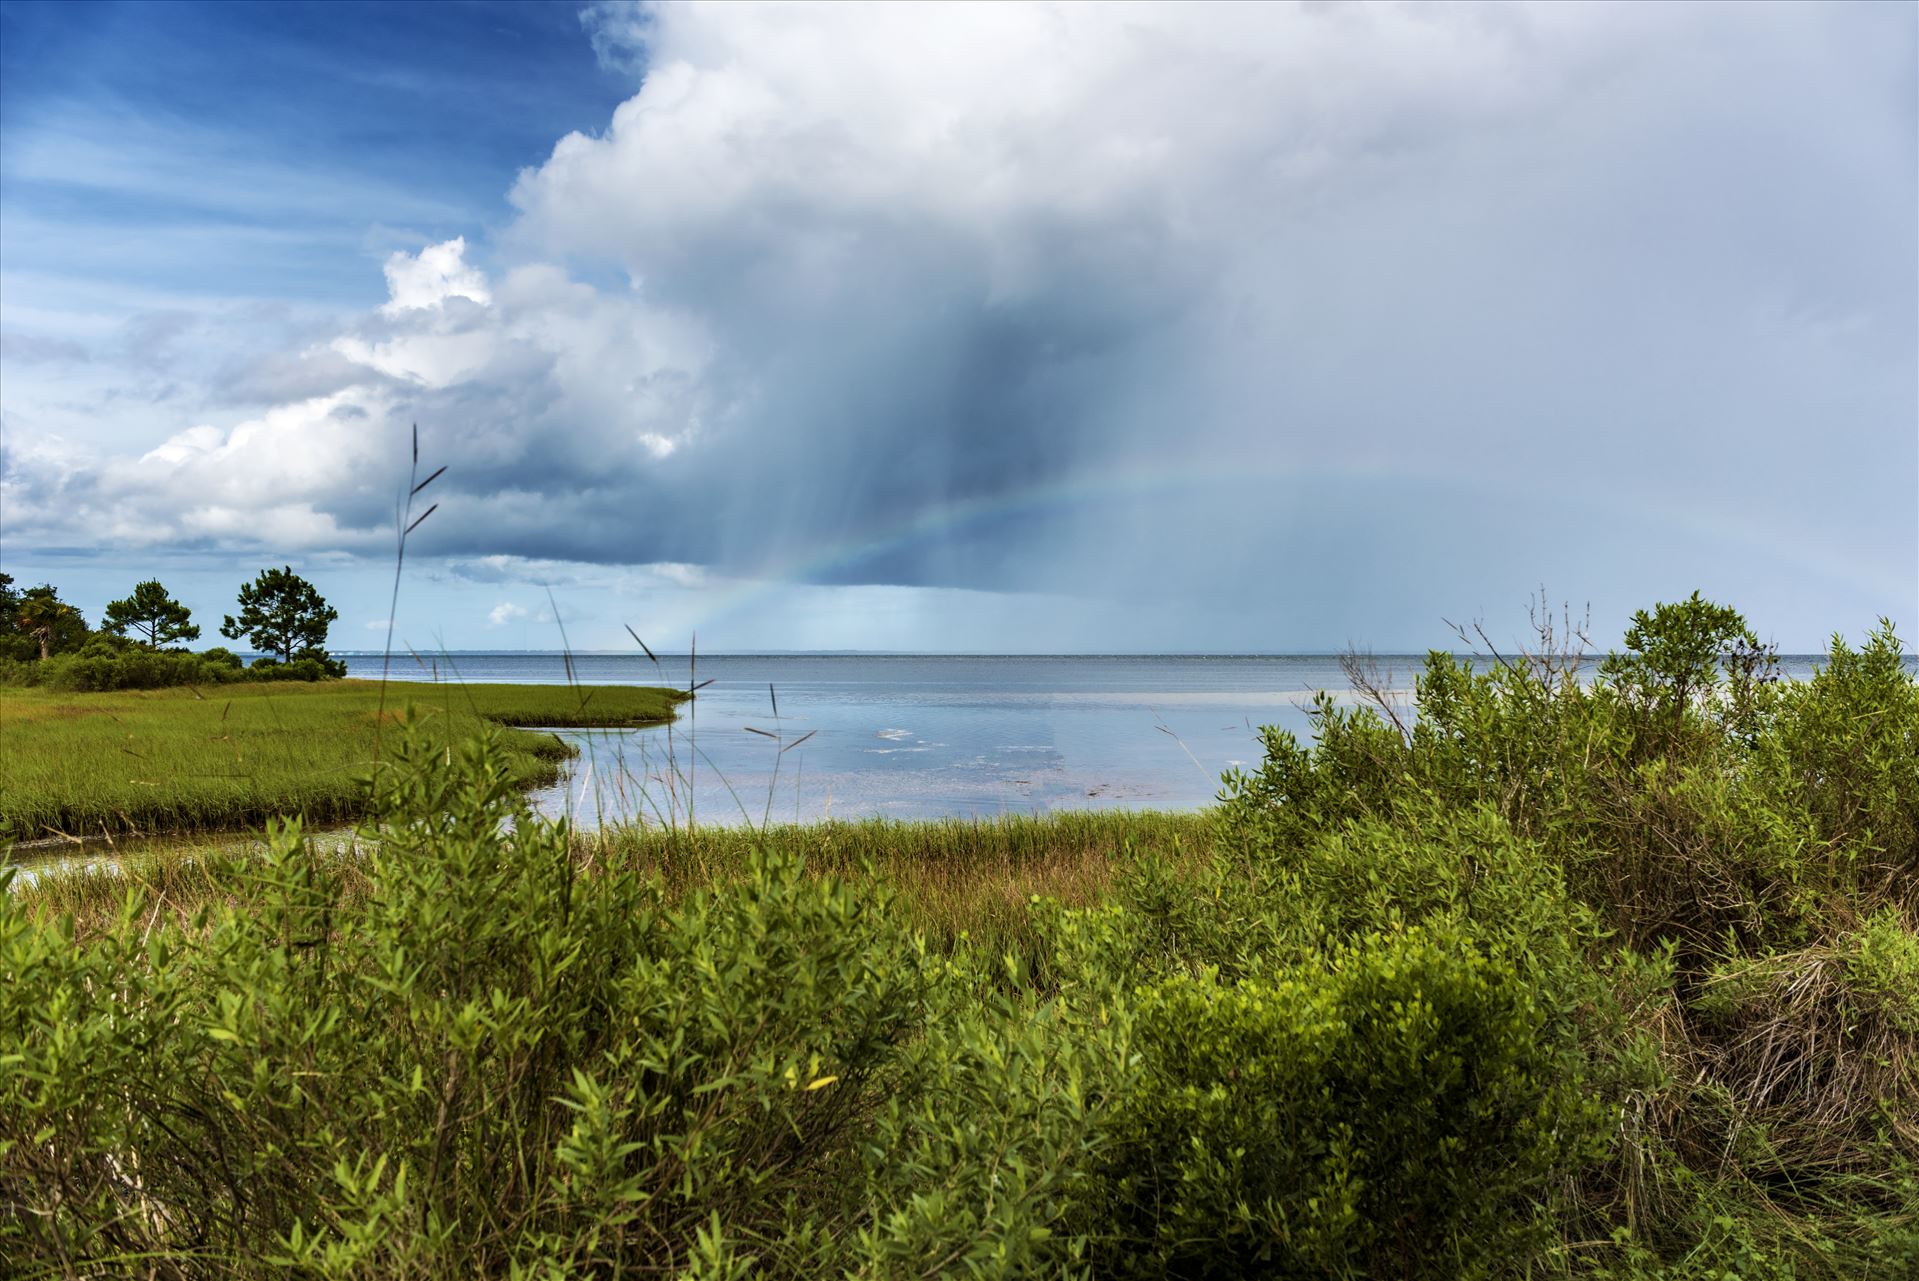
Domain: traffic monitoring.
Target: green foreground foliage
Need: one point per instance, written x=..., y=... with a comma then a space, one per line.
x=1551, y=980
x=227, y=756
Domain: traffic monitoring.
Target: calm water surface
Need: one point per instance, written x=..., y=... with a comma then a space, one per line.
x=916, y=736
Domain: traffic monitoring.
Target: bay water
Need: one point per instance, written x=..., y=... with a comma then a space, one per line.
x=798, y=737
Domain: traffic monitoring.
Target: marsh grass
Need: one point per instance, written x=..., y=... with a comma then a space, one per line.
x=954, y=879
x=147, y=761
x=178, y=873
x=960, y=882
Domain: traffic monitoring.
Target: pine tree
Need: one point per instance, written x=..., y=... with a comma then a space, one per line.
x=153, y=614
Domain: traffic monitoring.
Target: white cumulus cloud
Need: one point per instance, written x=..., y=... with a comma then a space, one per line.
x=429, y=278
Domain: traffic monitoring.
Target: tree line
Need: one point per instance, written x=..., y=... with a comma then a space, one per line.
x=281, y=615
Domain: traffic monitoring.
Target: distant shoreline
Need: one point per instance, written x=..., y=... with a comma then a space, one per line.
x=1329, y=656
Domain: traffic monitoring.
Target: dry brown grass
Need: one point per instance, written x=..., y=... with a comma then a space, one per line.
x=1814, y=1049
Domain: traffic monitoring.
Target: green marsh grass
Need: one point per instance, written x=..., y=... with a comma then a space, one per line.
x=952, y=877
x=190, y=760
x=956, y=880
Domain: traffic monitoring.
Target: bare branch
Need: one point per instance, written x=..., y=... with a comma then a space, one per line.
x=1373, y=686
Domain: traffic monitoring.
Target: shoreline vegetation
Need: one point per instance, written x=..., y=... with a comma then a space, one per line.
x=956, y=877
x=185, y=759
x=1548, y=974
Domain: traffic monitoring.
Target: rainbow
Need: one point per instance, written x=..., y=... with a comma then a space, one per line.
x=942, y=520
x=825, y=561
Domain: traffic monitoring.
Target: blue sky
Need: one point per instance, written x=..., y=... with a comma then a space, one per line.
x=271, y=150
x=1020, y=328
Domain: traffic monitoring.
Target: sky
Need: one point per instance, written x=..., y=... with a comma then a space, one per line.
x=991, y=328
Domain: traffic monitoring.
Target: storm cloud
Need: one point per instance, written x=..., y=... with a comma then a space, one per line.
x=1276, y=319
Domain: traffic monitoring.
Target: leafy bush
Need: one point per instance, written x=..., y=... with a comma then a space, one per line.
x=108, y=663
x=501, y=1066
x=1309, y=1010
x=90, y=671
x=307, y=665
x=1401, y=1108
x=982, y=1153
x=1843, y=750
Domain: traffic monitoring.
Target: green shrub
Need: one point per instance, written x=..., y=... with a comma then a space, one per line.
x=493, y=1065
x=1734, y=859
x=1882, y=965
x=1681, y=657
x=110, y=663
x=1400, y=1109
x=1843, y=750
x=1384, y=949
x=92, y=671
x=982, y=1155
x=307, y=665
x=1276, y=895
